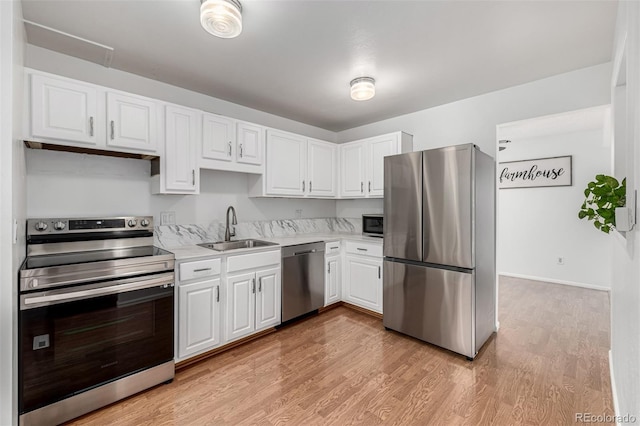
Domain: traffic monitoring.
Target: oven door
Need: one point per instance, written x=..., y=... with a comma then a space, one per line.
x=77, y=338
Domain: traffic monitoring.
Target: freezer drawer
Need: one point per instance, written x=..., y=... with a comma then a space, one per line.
x=434, y=305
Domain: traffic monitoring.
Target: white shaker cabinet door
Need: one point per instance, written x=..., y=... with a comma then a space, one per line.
x=181, y=139
x=352, y=170
x=240, y=305
x=218, y=137
x=199, y=317
x=286, y=164
x=322, y=168
x=378, y=148
x=64, y=110
x=268, y=298
x=131, y=122
x=250, y=144
x=363, y=282
x=333, y=276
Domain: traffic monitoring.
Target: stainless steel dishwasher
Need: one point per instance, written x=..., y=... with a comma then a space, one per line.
x=302, y=279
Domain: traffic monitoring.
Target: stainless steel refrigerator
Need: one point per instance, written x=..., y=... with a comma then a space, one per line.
x=439, y=247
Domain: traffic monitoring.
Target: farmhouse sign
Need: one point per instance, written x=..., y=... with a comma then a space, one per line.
x=553, y=171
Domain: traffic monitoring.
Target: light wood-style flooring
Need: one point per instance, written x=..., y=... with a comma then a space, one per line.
x=548, y=361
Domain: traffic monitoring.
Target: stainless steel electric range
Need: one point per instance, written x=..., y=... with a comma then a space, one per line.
x=96, y=320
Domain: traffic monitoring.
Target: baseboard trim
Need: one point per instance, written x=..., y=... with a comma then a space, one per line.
x=362, y=310
x=555, y=281
x=614, y=393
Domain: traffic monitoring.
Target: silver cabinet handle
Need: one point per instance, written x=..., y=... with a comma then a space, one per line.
x=379, y=272
x=90, y=126
x=253, y=285
x=310, y=187
x=260, y=284
x=112, y=130
x=369, y=186
x=229, y=148
x=201, y=269
x=329, y=268
x=217, y=293
x=362, y=249
x=361, y=186
x=303, y=185
x=240, y=150
x=193, y=177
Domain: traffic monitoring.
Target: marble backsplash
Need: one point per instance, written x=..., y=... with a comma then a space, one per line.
x=170, y=236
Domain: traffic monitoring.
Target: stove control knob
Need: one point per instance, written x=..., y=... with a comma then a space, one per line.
x=132, y=223
x=144, y=222
x=59, y=226
x=41, y=226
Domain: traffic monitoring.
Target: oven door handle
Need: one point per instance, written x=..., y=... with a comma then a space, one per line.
x=48, y=298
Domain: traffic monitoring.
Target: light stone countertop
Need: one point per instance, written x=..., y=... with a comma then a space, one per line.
x=194, y=251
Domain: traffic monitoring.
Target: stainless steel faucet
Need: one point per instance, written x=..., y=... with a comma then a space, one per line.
x=234, y=221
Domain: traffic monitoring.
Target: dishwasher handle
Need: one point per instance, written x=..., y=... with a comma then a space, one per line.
x=300, y=253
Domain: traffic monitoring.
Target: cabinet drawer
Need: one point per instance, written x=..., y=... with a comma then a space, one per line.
x=199, y=269
x=253, y=260
x=332, y=248
x=363, y=248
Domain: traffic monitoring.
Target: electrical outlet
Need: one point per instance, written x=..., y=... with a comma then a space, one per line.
x=167, y=218
x=298, y=213
x=560, y=260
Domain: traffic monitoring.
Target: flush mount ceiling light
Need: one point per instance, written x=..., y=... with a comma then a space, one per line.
x=363, y=88
x=222, y=18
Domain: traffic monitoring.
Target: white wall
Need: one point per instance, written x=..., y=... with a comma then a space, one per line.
x=67, y=184
x=625, y=287
x=12, y=201
x=538, y=225
x=475, y=119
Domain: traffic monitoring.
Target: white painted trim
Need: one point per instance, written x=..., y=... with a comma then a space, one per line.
x=555, y=281
x=614, y=393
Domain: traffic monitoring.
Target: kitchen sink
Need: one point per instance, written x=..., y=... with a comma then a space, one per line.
x=235, y=245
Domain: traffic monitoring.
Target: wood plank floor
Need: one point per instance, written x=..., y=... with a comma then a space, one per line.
x=548, y=361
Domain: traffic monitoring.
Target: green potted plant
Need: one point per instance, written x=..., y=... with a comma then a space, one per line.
x=602, y=197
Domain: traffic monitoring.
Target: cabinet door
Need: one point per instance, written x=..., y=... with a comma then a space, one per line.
x=286, y=164
x=363, y=282
x=181, y=139
x=64, y=110
x=352, y=170
x=240, y=304
x=321, y=168
x=131, y=122
x=268, y=298
x=332, y=280
x=198, y=317
x=218, y=137
x=378, y=148
x=250, y=143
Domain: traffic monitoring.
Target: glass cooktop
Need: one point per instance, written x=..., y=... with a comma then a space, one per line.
x=63, y=259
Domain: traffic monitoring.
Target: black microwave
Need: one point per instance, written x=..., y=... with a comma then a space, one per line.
x=372, y=225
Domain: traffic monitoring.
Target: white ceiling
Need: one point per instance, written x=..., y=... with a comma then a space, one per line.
x=295, y=58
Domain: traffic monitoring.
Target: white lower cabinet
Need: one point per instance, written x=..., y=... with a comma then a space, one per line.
x=363, y=282
x=199, y=317
x=332, y=280
x=252, y=298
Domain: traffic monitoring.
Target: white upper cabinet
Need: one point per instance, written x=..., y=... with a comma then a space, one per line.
x=352, y=166
x=180, y=172
x=250, y=143
x=65, y=110
x=286, y=164
x=218, y=137
x=362, y=164
x=322, y=168
x=131, y=122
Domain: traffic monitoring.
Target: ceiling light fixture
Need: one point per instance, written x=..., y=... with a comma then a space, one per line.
x=363, y=88
x=222, y=18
